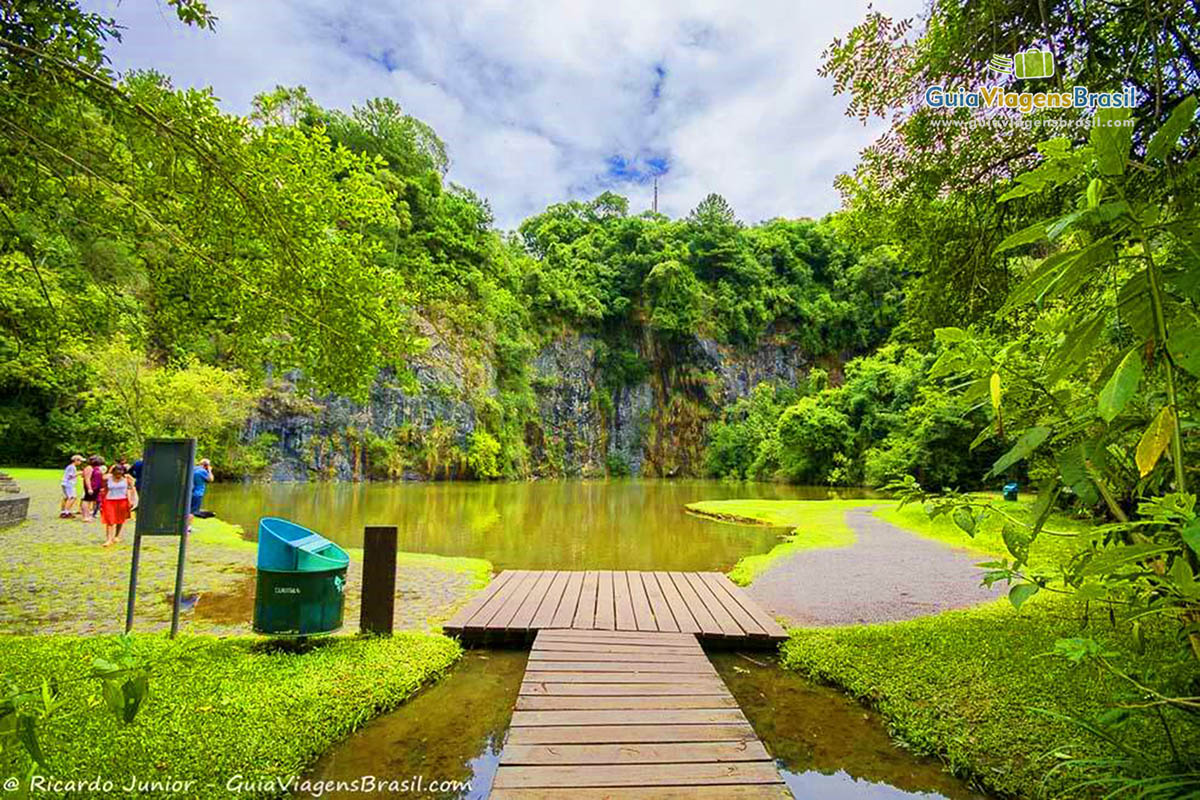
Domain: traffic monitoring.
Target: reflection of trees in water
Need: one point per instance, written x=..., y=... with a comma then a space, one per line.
x=541, y=525
x=453, y=730
x=809, y=727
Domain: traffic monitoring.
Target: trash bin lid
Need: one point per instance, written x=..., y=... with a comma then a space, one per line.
x=286, y=546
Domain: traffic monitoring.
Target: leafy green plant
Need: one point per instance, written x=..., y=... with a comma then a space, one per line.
x=124, y=679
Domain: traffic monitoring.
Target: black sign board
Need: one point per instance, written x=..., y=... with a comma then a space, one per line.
x=166, y=493
x=162, y=510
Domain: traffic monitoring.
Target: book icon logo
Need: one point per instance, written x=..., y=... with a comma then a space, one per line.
x=1032, y=63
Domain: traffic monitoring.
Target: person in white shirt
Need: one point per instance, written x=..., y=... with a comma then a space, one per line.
x=70, y=477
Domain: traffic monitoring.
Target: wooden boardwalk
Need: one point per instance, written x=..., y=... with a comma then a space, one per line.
x=629, y=714
x=519, y=603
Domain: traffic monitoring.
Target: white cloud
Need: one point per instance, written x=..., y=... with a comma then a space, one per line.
x=535, y=100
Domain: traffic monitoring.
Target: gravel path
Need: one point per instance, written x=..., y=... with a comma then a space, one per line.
x=888, y=574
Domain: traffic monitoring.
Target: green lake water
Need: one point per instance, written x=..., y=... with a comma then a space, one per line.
x=617, y=524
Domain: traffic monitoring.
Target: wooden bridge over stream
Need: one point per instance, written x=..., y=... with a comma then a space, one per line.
x=618, y=699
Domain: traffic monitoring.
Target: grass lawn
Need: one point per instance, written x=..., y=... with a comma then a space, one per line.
x=964, y=684
x=218, y=708
x=812, y=524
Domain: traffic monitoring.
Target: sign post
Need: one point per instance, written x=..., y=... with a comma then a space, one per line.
x=163, y=506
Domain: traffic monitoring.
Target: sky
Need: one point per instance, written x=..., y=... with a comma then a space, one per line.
x=542, y=102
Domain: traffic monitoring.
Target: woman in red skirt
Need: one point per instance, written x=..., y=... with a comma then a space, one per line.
x=116, y=496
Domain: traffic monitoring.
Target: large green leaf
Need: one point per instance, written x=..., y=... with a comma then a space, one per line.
x=1121, y=386
x=1133, y=305
x=1081, y=271
x=1030, y=440
x=950, y=335
x=1034, y=233
x=1078, y=342
x=1184, y=346
x=1018, y=594
x=1111, y=141
x=1164, y=138
x=1035, y=283
x=965, y=520
x=1191, y=536
x=1154, y=440
x=1072, y=466
x=1115, y=557
x=1017, y=541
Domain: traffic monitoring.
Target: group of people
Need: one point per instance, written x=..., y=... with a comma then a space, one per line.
x=112, y=494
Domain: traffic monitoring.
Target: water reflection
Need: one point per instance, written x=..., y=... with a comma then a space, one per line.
x=628, y=524
x=827, y=745
x=452, y=731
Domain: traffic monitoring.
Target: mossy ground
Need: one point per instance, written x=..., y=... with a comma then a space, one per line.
x=219, y=708
x=966, y=685
x=811, y=524
x=56, y=578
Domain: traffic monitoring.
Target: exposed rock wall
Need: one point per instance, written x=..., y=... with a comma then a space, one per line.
x=583, y=426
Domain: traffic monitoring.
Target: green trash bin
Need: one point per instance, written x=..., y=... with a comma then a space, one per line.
x=301, y=587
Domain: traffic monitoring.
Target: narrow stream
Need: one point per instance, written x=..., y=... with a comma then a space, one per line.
x=827, y=746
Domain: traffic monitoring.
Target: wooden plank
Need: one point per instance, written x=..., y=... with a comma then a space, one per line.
x=724, y=620
x=772, y=628
x=708, y=625
x=642, y=615
x=759, y=791
x=532, y=602
x=565, y=614
x=545, y=612
x=644, y=655
x=694, y=666
x=637, y=775
x=514, y=601
x=690, y=716
x=481, y=618
x=612, y=638
x=624, y=676
x=645, y=688
x=598, y=734
x=466, y=612
x=642, y=637
x=679, y=609
x=585, y=613
x=658, y=603
x=580, y=703
x=663, y=753
x=743, y=618
x=585, y=647
x=624, y=606
x=606, y=618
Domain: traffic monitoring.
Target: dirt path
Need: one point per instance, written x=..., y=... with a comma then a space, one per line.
x=888, y=574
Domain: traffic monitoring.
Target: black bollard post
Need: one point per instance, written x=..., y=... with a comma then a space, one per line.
x=379, y=579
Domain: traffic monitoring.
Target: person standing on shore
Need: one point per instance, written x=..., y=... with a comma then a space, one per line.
x=116, y=496
x=70, y=478
x=92, y=477
x=202, y=475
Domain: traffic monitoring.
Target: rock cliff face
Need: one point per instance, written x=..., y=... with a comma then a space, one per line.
x=581, y=425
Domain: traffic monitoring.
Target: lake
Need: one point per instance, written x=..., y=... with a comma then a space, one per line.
x=602, y=524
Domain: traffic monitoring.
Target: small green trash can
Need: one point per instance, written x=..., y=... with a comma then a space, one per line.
x=301, y=587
